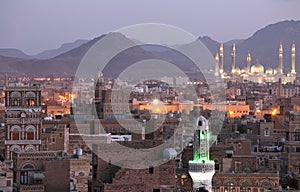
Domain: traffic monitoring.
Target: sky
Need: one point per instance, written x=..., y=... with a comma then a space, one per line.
x=34, y=25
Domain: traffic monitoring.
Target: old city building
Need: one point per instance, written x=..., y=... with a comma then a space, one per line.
x=23, y=119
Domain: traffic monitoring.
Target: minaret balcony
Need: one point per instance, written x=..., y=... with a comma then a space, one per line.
x=201, y=167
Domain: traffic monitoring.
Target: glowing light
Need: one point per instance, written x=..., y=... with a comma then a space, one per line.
x=274, y=112
x=155, y=101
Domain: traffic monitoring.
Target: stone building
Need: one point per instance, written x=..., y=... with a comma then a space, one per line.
x=54, y=136
x=41, y=171
x=23, y=119
x=245, y=182
x=108, y=177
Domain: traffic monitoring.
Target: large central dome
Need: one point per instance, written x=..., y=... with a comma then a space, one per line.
x=257, y=68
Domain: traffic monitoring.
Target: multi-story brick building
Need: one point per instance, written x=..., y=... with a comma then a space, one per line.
x=23, y=119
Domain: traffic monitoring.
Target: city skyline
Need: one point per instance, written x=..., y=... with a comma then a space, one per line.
x=33, y=26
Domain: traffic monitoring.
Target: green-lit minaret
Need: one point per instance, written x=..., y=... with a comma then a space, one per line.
x=201, y=168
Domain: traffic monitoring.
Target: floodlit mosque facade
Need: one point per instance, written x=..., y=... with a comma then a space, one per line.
x=256, y=72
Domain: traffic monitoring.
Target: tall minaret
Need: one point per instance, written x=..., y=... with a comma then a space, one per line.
x=293, y=67
x=201, y=168
x=6, y=80
x=99, y=89
x=280, y=57
x=221, y=58
x=248, y=61
x=217, y=65
x=233, y=51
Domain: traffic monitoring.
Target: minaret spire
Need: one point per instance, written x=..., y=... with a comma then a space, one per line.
x=221, y=58
x=280, y=58
x=233, y=51
x=293, y=67
x=201, y=168
x=248, y=61
x=217, y=64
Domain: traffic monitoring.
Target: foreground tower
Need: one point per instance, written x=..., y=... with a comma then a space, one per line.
x=201, y=168
x=23, y=119
x=217, y=65
x=233, y=51
x=293, y=67
x=280, y=57
x=221, y=58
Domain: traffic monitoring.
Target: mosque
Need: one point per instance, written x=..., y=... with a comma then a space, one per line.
x=256, y=72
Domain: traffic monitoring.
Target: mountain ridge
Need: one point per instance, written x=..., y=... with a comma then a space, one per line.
x=263, y=45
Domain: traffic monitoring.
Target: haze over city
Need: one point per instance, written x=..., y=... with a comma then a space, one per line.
x=34, y=26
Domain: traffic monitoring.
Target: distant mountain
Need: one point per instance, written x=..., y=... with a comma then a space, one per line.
x=62, y=65
x=211, y=44
x=14, y=53
x=12, y=65
x=48, y=54
x=263, y=46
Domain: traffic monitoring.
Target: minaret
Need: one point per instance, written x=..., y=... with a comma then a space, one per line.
x=221, y=58
x=248, y=61
x=280, y=57
x=233, y=51
x=6, y=80
x=99, y=89
x=217, y=65
x=293, y=67
x=201, y=168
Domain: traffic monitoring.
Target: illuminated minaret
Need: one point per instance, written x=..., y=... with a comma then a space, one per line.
x=293, y=67
x=217, y=65
x=248, y=61
x=233, y=51
x=280, y=57
x=221, y=58
x=201, y=168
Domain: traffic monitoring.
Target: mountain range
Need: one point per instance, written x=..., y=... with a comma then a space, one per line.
x=263, y=46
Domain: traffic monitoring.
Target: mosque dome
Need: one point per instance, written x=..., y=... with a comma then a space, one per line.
x=257, y=68
x=269, y=71
x=237, y=70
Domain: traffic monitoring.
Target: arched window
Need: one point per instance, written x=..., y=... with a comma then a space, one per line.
x=28, y=166
x=15, y=148
x=297, y=135
x=15, y=133
x=30, y=99
x=24, y=172
x=30, y=133
x=15, y=99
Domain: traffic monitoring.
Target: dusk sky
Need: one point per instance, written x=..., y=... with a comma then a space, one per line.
x=34, y=25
